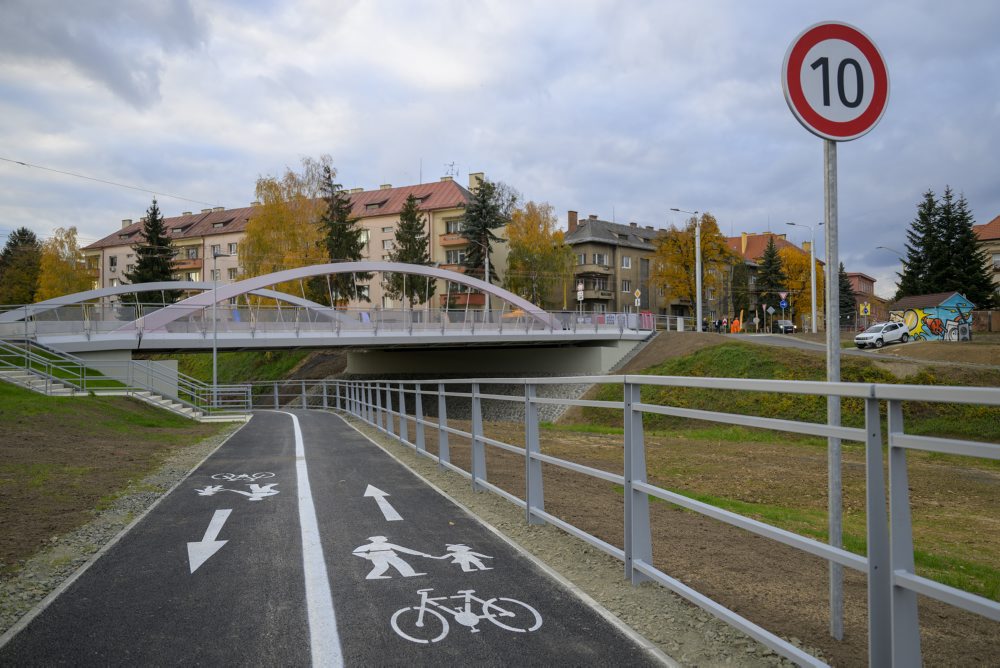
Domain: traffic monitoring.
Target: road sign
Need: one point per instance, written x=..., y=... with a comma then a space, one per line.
x=579, y=287
x=770, y=309
x=638, y=293
x=783, y=303
x=835, y=80
x=579, y=295
x=865, y=308
x=783, y=295
x=637, y=301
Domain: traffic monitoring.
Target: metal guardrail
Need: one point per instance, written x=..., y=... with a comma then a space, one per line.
x=127, y=376
x=893, y=585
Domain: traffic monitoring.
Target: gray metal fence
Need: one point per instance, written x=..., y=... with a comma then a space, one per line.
x=397, y=409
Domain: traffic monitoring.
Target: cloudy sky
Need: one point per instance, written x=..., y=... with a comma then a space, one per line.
x=621, y=109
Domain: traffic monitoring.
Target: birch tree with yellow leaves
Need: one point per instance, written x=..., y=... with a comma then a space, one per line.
x=796, y=266
x=61, y=269
x=284, y=231
x=539, y=257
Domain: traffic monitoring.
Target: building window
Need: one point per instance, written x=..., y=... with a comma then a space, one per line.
x=996, y=260
x=626, y=262
x=454, y=257
x=600, y=258
x=192, y=253
x=232, y=273
x=113, y=262
x=232, y=248
x=626, y=286
x=363, y=292
x=193, y=276
x=113, y=283
x=372, y=207
x=600, y=284
x=129, y=268
x=457, y=287
x=388, y=244
x=599, y=308
x=216, y=249
x=217, y=225
x=386, y=230
x=216, y=274
x=453, y=226
x=581, y=258
x=386, y=301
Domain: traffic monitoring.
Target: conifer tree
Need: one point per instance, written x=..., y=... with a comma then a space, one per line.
x=920, y=238
x=491, y=208
x=411, y=247
x=154, y=258
x=847, y=294
x=20, y=261
x=969, y=261
x=771, y=277
x=344, y=241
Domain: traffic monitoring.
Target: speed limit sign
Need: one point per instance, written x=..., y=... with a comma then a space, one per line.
x=835, y=81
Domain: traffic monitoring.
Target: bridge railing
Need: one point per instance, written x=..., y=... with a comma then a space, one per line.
x=402, y=410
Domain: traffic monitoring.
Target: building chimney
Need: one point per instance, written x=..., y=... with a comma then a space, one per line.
x=806, y=245
x=592, y=216
x=385, y=186
x=649, y=227
x=571, y=218
x=743, y=243
x=186, y=213
x=633, y=224
x=355, y=191
x=447, y=178
x=218, y=208
x=255, y=203
x=126, y=222
x=206, y=211
x=475, y=179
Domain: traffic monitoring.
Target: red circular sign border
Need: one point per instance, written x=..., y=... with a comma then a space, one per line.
x=836, y=130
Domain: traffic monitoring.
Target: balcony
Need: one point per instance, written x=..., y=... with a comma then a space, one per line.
x=591, y=269
x=186, y=264
x=598, y=294
x=463, y=299
x=452, y=239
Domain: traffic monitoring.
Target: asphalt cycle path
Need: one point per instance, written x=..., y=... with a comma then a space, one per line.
x=300, y=542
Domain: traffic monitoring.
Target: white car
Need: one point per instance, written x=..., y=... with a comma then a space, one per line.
x=882, y=333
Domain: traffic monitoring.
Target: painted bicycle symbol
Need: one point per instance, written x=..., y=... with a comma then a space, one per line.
x=249, y=477
x=425, y=623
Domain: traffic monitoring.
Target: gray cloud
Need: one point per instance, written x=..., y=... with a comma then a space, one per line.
x=120, y=45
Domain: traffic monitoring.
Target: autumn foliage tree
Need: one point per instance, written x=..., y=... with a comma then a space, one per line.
x=538, y=256
x=62, y=271
x=284, y=231
x=798, y=280
x=674, y=264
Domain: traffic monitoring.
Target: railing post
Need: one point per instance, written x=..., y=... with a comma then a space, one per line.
x=325, y=402
x=404, y=435
x=443, y=453
x=379, y=413
x=478, y=464
x=879, y=566
x=638, y=541
x=275, y=385
x=418, y=411
x=534, y=496
x=389, y=426
x=305, y=404
x=905, y=648
x=369, y=405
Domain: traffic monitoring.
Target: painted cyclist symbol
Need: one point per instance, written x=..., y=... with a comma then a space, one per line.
x=426, y=623
x=246, y=477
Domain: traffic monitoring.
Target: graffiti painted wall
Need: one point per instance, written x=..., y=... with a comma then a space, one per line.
x=949, y=321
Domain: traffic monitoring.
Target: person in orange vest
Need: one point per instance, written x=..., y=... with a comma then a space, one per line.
x=736, y=326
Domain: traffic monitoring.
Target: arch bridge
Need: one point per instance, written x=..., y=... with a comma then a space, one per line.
x=253, y=314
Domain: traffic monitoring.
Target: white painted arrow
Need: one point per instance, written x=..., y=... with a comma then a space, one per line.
x=200, y=552
x=390, y=513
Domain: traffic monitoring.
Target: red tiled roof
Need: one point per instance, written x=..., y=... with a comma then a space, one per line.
x=922, y=301
x=990, y=230
x=433, y=196
x=756, y=244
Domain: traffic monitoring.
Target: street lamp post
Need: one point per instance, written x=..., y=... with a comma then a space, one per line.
x=893, y=250
x=812, y=269
x=697, y=265
x=215, y=327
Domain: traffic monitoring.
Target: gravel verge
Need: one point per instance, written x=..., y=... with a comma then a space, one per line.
x=66, y=554
x=687, y=634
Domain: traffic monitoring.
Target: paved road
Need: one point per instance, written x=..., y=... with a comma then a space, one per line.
x=272, y=554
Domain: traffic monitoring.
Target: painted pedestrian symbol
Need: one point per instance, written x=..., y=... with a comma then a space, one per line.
x=256, y=493
x=463, y=554
x=426, y=623
x=384, y=555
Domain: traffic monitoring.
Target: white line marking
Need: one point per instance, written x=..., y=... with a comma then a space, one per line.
x=202, y=551
x=383, y=504
x=323, y=638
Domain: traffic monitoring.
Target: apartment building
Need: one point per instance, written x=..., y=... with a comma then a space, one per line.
x=197, y=237
x=612, y=262
x=989, y=237
x=750, y=248
x=863, y=286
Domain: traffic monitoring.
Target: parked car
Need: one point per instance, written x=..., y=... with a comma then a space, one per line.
x=784, y=327
x=882, y=333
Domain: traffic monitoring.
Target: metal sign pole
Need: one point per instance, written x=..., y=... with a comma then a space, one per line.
x=834, y=498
